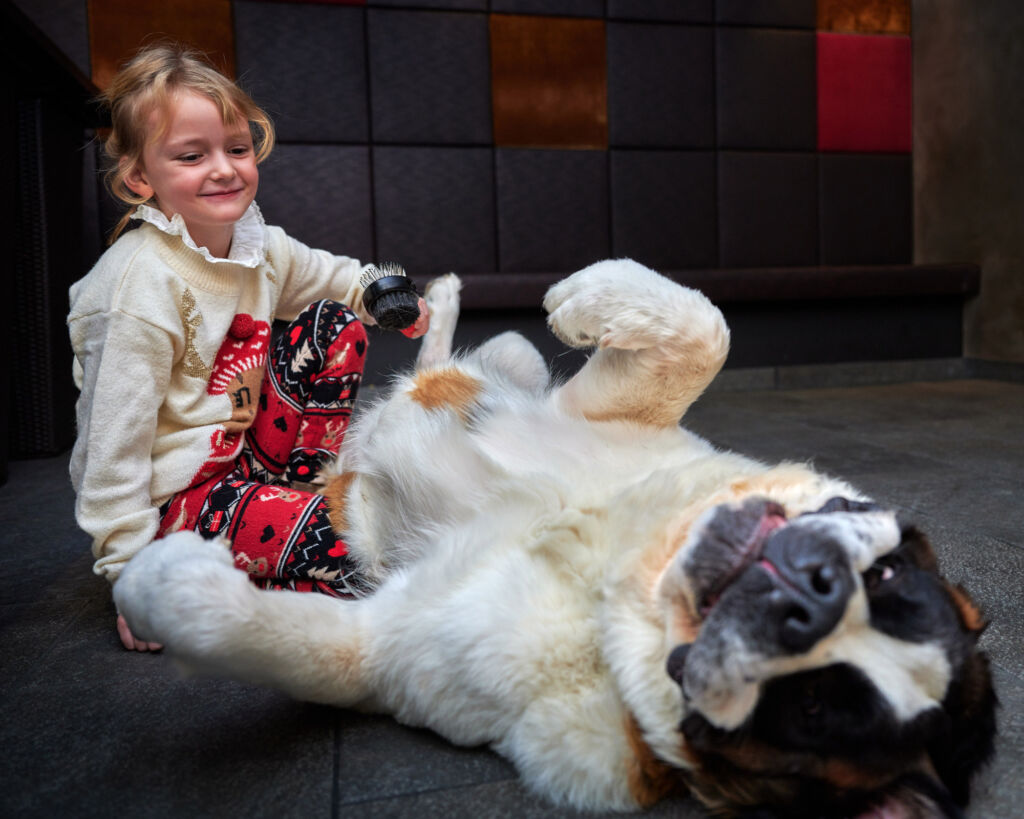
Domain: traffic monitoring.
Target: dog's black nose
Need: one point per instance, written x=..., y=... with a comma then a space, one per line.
x=812, y=583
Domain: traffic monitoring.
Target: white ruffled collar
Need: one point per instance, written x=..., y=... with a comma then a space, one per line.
x=248, y=243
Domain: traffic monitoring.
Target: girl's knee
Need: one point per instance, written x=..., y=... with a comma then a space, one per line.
x=324, y=322
x=336, y=319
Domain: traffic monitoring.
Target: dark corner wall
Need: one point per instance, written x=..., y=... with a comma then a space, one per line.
x=969, y=159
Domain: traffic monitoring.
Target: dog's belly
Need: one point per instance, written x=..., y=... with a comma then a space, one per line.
x=499, y=609
x=441, y=470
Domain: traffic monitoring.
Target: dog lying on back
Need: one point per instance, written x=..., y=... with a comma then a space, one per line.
x=564, y=573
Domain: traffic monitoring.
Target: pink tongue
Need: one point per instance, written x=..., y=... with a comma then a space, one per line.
x=769, y=523
x=890, y=810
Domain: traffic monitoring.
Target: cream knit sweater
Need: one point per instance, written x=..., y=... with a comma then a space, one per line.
x=163, y=367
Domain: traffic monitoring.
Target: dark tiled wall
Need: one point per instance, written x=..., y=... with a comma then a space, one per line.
x=540, y=135
x=474, y=136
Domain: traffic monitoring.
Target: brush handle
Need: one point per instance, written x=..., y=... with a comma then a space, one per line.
x=383, y=286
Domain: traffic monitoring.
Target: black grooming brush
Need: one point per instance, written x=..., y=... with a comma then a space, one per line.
x=390, y=296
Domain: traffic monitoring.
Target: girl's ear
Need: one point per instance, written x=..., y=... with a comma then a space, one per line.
x=135, y=179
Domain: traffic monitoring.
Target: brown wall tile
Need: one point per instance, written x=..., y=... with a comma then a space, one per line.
x=118, y=28
x=548, y=84
x=864, y=16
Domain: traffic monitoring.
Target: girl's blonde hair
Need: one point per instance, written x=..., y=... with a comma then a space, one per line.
x=147, y=83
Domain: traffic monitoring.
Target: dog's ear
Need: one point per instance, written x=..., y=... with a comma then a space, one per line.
x=969, y=741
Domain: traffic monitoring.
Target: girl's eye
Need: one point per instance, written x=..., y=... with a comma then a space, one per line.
x=241, y=150
x=188, y=158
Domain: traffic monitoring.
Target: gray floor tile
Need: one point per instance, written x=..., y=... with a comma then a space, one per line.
x=107, y=739
x=87, y=729
x=380, y=759
x=496, y=800
x=998, y=790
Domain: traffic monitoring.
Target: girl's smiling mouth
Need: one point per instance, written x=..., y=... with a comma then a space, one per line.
x=222, y=194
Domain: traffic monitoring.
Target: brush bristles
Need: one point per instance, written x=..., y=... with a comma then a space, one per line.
x=372, y=272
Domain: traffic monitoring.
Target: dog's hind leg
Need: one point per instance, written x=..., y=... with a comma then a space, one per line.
x=511, y=357
x=184, y=592
x=442, y=297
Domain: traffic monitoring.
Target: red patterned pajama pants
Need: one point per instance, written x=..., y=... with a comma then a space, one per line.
x=279, y=534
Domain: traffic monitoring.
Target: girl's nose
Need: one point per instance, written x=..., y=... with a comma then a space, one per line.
x=221, y=168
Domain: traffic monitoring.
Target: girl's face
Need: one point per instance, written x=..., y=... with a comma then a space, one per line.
x=199, y=168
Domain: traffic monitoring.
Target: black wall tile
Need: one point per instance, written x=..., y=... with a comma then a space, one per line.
x=767, y=89
x=570, y=8
x=552, y=209
x=866, y=209
x=320, y=194
x=661, y=85
x=788, y=13
x=680, y=11
x=435, y=209
x=664, y=208
x=768, y=209
x=429, y=77
x=306, y=66
x=464, y=5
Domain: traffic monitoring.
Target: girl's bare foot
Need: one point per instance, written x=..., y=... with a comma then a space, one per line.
x=129, y=641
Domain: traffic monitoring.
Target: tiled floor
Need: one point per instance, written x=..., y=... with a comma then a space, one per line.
x=87, y=729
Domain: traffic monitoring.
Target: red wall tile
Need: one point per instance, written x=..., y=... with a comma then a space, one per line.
x=864, y=93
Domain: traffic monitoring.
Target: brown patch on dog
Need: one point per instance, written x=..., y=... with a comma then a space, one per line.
x=849, y=776
x=648, y=415
x=650, y=780
x=336, y=493
x=754, y=773
x=970, y=615
x=446, y=388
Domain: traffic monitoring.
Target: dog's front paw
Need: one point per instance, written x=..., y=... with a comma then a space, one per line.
x=442, y=297
x=616, y=303
x=175, y=592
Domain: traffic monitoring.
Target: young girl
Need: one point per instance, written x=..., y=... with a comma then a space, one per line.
x=188, y=417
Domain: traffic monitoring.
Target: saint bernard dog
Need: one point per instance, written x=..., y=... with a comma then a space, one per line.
x=625, y=612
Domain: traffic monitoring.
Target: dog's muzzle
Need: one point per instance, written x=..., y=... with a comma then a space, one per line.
x=811, y=583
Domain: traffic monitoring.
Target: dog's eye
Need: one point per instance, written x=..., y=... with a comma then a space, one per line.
x=811, y=708
x=883, y=571
x=810, y=705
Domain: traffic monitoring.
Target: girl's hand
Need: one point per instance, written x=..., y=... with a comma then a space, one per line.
x=422, y=323
x=129, y=641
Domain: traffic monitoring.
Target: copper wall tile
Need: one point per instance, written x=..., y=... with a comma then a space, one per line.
x=118, y=28
x=864, y=16
x=548, y=84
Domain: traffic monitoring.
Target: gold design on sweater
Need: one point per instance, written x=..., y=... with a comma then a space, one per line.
x=191, y=318
x=268, y=269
